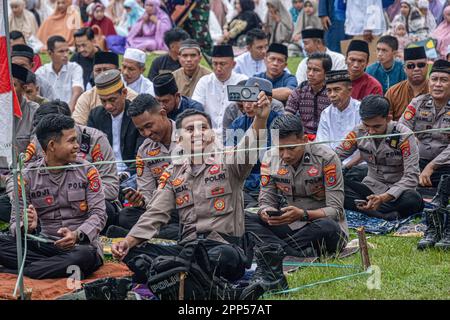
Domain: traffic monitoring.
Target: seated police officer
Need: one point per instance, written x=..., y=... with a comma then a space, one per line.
x=389, y=189
x=206, y=191
x=67, y=204
x=302, y=194
x=153, y=157
x=432, y=111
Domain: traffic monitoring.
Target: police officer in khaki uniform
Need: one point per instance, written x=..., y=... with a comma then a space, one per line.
x=206, y=190
x=94, y=147
x=432, y=111
x=23, y=127
x=389, y=190
x=153, y=157
x=68, y=204
x=302, y=194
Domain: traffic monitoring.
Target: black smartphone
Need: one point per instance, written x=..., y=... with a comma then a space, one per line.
x=274, y=213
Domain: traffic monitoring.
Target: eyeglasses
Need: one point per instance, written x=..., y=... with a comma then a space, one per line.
x=419, y=65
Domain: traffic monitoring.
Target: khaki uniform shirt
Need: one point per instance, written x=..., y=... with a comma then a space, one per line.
x=393, y=164
x=317, y=183
x=76, y=201
x=24, y=125
x=208, y=197
x=422, y=114
x=88, y=101
x=99, y=150
x=186, y=85
x=151, y=161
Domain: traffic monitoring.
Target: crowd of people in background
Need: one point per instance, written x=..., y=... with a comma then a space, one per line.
x=368, y=68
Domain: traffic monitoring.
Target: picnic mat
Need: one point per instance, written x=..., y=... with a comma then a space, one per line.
x=51, y=289
x=375, y=225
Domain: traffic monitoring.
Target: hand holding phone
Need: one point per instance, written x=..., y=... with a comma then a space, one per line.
x=274, y=213
x=360, y=203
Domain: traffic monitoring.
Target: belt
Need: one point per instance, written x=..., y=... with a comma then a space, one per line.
x=230, y=239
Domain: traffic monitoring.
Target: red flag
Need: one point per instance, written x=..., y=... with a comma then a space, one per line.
x=5, y=80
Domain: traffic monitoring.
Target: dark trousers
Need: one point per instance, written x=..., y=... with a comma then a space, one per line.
x=250, y=198
x=129, y=216
x=324, y=235
x=436, y=176
x=227, y=260
x=5, y=208
x=334, y=35
x=409, y=202
x=46, y=261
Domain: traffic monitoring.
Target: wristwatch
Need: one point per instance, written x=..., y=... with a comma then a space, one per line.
x=81, y=237
x=305, y=215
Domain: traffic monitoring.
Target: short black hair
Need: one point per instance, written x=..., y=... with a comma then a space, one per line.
x=391, y=41
x=52, y=107
x=191, y=112
x=85, y=31
x=53, y=40
x=143, y=102
x=288, y=124
x=51, y=128
x=14, y=35
x=373, y=106
x=327, y=63
x=174, y=35
x=254, y=34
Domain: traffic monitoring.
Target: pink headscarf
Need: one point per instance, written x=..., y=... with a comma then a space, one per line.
x=442, y=34
x=156, y=8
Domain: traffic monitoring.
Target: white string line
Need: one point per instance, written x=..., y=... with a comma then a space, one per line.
x=234, y=150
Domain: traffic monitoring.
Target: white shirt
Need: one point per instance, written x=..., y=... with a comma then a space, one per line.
x=335, y=125
x=363, y=15
x=70, y=75
x=142, y=85
x=116, y=129
x=213, y=94
x=338, y=64
x=245, y=64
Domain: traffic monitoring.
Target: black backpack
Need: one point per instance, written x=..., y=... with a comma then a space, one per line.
x=188, y=276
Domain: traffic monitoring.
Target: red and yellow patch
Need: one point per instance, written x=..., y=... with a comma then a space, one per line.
x=179, y=201
x=83, y=206
x=177, y=182
x=265, y=180
x=406, y=149
x=313, y=171
x=408, y=115
x=139, y=166
x=157, y=171
x=97, y=154
x=154, y=152
x=215, y=169
x=163, y=179
x=217, y=191
x=350, y=141
x=30, y=152
x=282, y=171
x=94, y=180
x=219, y=204
x=330, y=175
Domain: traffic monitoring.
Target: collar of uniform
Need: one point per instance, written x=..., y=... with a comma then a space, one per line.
x=42, y=165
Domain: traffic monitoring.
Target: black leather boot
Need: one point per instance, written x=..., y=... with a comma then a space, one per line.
x=444, y=243
x=269, y=274
x=435, y=221
x=440, y=200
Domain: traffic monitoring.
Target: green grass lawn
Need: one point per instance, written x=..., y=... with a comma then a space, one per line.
x=405, y=272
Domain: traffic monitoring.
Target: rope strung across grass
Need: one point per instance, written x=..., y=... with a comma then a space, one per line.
x=319, y=283
x=320, y=265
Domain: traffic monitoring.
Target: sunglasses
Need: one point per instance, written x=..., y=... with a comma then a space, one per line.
x=419, y=65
